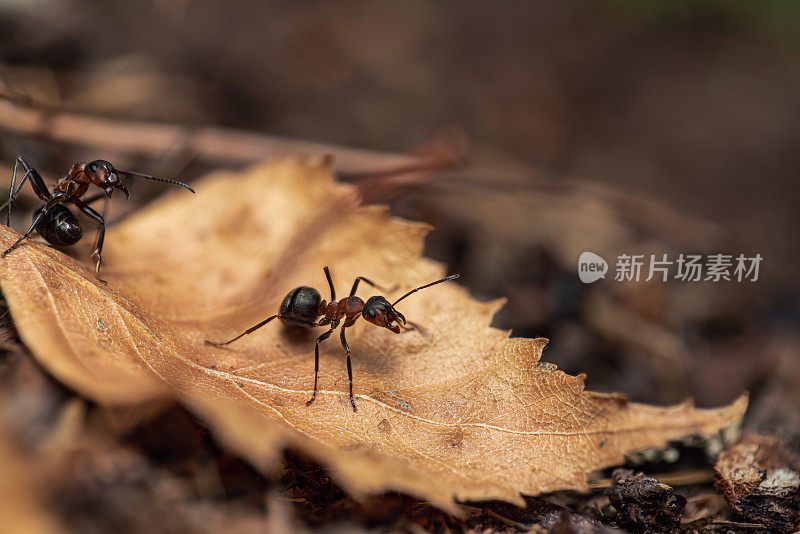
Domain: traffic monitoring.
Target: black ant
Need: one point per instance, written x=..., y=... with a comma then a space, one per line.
x=54, y=221
x=304, y=304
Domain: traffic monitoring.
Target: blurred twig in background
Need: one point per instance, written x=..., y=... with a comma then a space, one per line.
x=213, y=145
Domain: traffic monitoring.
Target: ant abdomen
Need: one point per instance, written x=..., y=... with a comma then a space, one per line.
x=302, y=303
x=59, y=226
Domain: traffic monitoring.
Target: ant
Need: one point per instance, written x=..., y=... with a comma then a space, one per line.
x=54, y=221
x=302, y=306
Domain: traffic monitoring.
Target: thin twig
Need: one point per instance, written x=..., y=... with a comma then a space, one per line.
x=681, y=478
x=495, y=515
x=739, y=525
x=217, y=145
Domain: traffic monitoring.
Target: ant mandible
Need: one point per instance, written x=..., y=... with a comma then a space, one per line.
x=54, y=221
x=304, y=304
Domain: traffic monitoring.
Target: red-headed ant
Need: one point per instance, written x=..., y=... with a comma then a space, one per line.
x=54, y=221
x=304, y=304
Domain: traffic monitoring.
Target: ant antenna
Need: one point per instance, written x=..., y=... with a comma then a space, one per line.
x=141, y=175
x=445, y=279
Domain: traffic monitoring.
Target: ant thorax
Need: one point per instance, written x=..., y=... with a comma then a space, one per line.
x=335, y=311
x=71, y=188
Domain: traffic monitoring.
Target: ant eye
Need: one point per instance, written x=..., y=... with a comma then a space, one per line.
x=371, y=313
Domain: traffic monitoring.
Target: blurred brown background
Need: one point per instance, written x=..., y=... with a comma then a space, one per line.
x=615, y=126
x=694, y=103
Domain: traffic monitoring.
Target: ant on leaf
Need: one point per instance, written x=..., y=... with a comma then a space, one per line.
x=303, y=305
x=53, y=220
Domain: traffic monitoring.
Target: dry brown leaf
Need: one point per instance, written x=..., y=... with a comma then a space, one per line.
x=458, y=410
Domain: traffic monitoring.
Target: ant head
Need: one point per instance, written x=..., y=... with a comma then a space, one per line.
x=379, y=312
x=104, y=175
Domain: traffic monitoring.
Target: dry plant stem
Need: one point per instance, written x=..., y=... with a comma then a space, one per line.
x=544, y=194
x=492, y=513
x=218, y=145
x=682, y=478
x=736, y=524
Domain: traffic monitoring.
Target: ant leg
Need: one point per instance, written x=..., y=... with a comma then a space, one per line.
x=94, y=198
x=104, y=215
x=320, y=339
x=98, y=242
x=349, y=367
x=101, y=234
x=11, y=194
x=330, y=283
x=28, y=232
x=366, y=281
x=38, y=185
x=257, y=326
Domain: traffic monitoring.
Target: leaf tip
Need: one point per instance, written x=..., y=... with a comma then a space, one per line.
x=739, y=406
